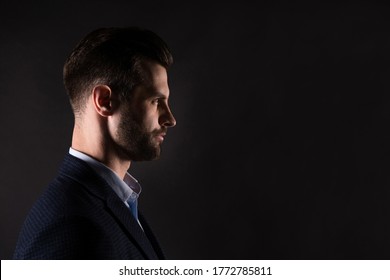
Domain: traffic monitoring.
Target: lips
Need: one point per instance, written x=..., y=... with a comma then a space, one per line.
x=161, y=136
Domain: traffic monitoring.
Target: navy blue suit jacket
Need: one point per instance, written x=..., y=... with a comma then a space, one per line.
x=79, y=216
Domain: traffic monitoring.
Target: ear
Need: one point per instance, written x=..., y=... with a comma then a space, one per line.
x=103, y=100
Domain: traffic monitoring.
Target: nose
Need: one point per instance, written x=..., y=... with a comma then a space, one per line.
x=167, y=119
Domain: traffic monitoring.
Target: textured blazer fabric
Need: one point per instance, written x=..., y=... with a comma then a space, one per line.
x=79, y=216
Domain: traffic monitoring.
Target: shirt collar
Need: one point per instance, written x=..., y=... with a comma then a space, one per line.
x=127, y=189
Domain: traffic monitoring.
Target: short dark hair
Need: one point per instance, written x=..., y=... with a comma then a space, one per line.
x=111, y=56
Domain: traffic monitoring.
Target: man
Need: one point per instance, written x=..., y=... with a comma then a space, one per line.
x=116, y=79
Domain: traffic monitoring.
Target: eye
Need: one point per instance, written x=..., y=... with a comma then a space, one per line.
x=155, y=101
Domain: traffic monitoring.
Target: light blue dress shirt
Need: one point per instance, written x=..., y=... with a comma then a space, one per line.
x=127, y=189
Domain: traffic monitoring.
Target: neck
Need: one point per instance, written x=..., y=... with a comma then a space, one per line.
x=89, y=140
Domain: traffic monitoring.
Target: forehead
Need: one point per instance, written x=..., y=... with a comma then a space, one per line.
x=155, y=76
x=155, y=80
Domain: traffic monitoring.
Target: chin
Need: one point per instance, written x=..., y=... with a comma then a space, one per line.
x=147, y=154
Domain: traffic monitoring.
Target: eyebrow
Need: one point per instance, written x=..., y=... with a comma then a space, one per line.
x=158, y=95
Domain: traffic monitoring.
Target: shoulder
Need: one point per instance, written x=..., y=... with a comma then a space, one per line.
x=63, y=223
x=69, y=214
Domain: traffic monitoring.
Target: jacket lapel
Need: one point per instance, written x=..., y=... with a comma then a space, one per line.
x=97, y=186
x=124, y=216
x=152, y=238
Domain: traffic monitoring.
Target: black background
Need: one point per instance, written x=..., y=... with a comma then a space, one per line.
x=281, y=149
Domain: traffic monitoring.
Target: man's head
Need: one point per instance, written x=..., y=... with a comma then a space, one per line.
x=116, y=79
x=111, y=56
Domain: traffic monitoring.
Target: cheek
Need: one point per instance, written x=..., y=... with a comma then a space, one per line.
x=150, y=122
x=149, y=117
x=146, y=117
